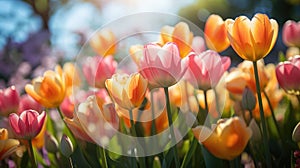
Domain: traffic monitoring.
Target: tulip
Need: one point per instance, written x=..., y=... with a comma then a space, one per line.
x=9, y=101
x=180, y=35
x=162, y=66
x=205, y=70
x=288, y=75
x=291, y=33
x=99, y=124
x=216, y=33
x=28, y=125
x=27, y=103
x=48, y=90
x=252, y=40
x=72, y=77
x=104, y=43
x=7, y=146
x=51, y=144
x=66, y=146
x=248, y=100
x=227, y=140
x=97, y=69
x=127, y=91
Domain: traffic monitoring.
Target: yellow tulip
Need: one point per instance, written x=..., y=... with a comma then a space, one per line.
x=48, y=90
x=72, y=76
x=127, y=91
x=252, y=39
x=7, y=146
x=104, y=42
x=216, y=33
x=181, y=35
x=227, y=140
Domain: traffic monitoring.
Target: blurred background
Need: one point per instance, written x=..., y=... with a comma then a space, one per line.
x=37, y=34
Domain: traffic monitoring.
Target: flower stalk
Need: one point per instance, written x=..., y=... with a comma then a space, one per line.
x=262, y=116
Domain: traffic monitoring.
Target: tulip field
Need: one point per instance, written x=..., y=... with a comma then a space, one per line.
x=178, y=101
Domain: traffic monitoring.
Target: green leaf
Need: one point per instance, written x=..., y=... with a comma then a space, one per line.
x=78, y=159
x=210, y=160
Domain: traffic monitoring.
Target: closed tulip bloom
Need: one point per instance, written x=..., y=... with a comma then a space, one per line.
x=127, y=91
x=162, y=66
x=228, y=140
x=288, y=75
x=216, y=33
x=7, y=146
x=28, y=124
x=291, y=33
x=104, y=43
x=181, y=35
x=9, y=101
x=48, y=90
x=252, y=39
x=100, y=123
x=206, y=69
x=97, y=69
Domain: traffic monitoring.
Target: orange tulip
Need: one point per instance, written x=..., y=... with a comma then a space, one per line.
x=104, y=43
x=7, y=146
x=180, y=35
x=216, y=33
x=227, y=140
x=48, y=90
x=72, y=77
x=252, y=40
x=127, y=91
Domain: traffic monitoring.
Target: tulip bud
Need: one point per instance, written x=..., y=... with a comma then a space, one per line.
x=3, y=134
x=51, y=144
x=9, y=101
x=248, y=100
x=296, y=133
x=66, y=146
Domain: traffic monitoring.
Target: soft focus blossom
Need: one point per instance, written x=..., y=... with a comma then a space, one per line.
x=9, y=101
x=205, y=70
x=252, y=39
x=99, y=124
x=227, y=140
x=49, y=89
x=215, y=33
x=97, y=69
x=72, y=77
x=127, y=91
x=104, y=42
x=162, y=66
x=181, y=35
x=288, y=75
x=291, y=33
x=27, y=103
x=66, y=146
x=7, y=146
x=28, y=124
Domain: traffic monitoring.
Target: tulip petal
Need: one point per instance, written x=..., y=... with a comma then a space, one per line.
x=14, y=122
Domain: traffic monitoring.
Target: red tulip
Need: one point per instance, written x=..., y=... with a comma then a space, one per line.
x=291, y=33
x=288, y=75
x=28, y=124
x=206, y=69
x=9, y=101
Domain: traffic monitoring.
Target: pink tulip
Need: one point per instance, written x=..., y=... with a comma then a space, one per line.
x=9, y=101
x=206, y=69
x=288, y=75
x=291, y=33
x=97, y=69
x=28, y=125
x=27, y=103
x=162, y=66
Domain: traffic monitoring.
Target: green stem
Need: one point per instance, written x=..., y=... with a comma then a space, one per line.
x=217, y=101
x=190, y=153
x=153, y=127
x=174, y=149
x=69, y=131
x=103, y=157
x=262, y=116
x=133, y=132
x=31, y=154
x=273, y=115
